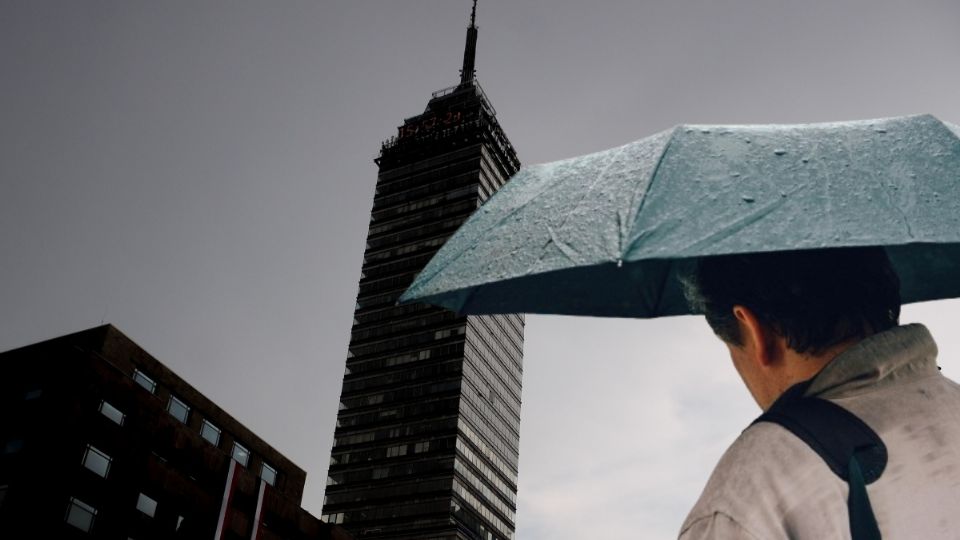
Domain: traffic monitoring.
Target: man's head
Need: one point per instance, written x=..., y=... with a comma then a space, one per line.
x=786, y=314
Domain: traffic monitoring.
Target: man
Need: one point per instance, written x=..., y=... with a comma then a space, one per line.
x=830, y=317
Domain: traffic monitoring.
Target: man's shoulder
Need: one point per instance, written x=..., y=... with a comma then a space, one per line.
x=764, y=475
x=762, y=457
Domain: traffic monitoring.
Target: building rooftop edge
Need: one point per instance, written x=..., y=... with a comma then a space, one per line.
x=105, y=331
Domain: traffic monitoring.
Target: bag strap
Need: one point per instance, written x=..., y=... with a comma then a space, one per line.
x=863, y=524
x=852, y=450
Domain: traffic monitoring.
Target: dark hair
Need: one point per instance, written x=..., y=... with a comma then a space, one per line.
x=813, y=298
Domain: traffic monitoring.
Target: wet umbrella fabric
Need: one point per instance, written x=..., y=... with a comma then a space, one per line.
x=607, y=234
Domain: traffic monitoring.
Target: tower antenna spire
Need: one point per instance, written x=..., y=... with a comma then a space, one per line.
x=470, y=52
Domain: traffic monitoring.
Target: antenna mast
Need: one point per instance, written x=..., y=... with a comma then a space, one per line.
x=470, y=52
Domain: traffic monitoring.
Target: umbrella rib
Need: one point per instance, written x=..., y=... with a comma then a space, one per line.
x=903, y=215
x=737, y=225
x=596, y=180
x=565, y=249
x=648, y=188
x=451, y=258
x=553, y=238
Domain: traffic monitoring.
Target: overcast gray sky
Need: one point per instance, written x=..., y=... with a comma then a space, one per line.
x=200, y=174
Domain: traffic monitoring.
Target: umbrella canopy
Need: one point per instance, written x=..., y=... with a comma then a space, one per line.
x=607, y=234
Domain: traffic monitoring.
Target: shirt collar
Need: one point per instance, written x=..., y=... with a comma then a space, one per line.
x=896, y=355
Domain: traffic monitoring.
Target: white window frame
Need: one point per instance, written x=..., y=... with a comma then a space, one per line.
x=178, y=401
x=145, y=381
x=104, y=403
x=147, y=504
x=265, y=467
x=88, y=512
x=233, y=453
x=204, y=425
x=94, y=450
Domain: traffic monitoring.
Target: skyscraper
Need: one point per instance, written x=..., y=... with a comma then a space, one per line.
x=427, y=436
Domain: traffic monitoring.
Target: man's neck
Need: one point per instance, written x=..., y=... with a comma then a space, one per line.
x=799, y=367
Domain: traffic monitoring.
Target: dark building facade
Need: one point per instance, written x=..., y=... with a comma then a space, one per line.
x=101, y=440
x=427, y=437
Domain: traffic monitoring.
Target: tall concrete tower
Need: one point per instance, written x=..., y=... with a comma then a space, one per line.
x=427, y=436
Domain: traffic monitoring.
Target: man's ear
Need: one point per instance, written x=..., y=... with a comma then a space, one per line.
x=759, y=340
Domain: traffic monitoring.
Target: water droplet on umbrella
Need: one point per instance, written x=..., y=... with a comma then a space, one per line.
x=619, y=263
x=735, y=174
x=779, y=151
x=747, y=198
x=746, y=141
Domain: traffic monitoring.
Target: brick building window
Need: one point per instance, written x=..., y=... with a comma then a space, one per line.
x=210, y=432
x=111, y=412
x=178, y=409
x=268, y=473
x=80, y=514
x=240, y=454
x=144, y=381
x=147, y=505
x=97, y=461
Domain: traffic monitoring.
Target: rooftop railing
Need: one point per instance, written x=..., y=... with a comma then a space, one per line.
x=466, y=87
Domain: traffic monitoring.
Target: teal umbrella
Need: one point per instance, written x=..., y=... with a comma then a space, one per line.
x=607, y=234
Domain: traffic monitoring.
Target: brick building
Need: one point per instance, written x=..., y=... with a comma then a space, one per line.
x=98, y=439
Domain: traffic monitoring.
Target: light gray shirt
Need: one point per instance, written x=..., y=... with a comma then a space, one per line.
x=770, y=485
